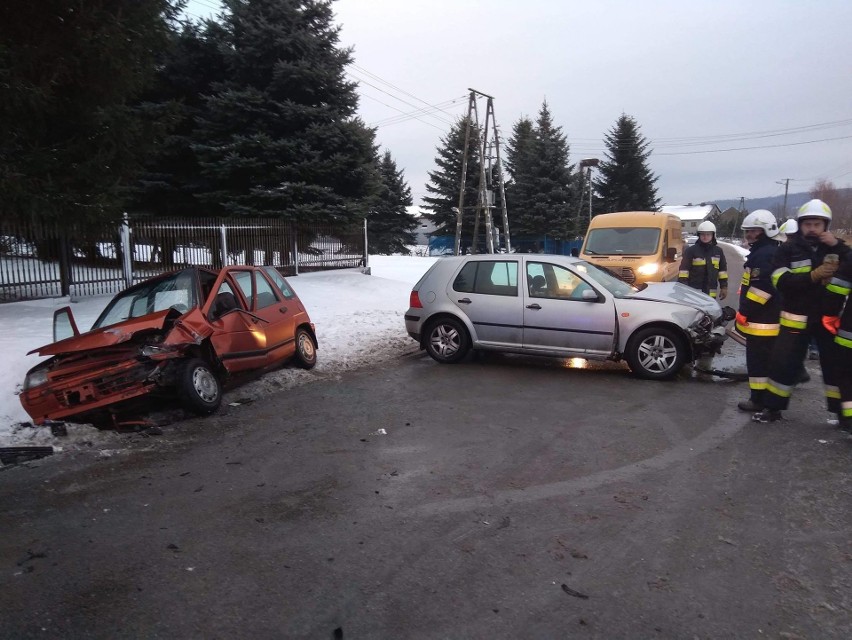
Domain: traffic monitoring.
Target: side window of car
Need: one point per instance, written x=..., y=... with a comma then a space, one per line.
x=497, y=278
x=280, y=282
x=554, y=281
x=226, y=300
x=243, y=279
x=465, y=279
x=265, y=293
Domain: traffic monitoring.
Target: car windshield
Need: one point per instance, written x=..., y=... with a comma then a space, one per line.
x=606, y=278
x=635, y=241
x=177, y=290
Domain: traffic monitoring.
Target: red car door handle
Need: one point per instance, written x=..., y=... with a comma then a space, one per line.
x=534, y=305
x=283, y=309
x=465, y=301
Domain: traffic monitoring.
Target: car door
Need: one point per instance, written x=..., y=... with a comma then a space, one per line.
x=238, y=335
x=558, y=319
x=486, y=291
x=275, y=313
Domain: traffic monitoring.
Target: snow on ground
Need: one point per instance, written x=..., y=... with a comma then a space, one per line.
x=358, y=318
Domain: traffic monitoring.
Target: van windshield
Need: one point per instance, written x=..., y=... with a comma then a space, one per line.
x=634, y=241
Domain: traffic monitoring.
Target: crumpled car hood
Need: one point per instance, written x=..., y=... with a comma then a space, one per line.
x=677, y=293
x=108, y=336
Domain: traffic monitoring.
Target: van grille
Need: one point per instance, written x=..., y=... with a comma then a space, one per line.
x=626, y=274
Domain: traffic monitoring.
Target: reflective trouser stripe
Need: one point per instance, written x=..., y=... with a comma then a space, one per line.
x=780, y=390
x=846, y=409
x=793, y=321
x=832, y=391
x=758, y=329
x=757, y=384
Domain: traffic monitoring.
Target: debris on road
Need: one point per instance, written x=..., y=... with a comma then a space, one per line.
x=16, y=455
x=571, y=592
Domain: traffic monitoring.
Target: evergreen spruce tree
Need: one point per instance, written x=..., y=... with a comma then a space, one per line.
x=189, y=67
x=625, y=182
x=279, y=136
x=546, y=183
x=69, y=140
x=389, y=225
x=519, y=164
x=445, y=181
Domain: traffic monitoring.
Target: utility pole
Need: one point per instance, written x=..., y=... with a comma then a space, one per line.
x=485, y=200
x=786, y=183
x=741, y=213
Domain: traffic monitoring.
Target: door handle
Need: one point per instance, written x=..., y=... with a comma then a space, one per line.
x=465, y=301
x=534, y=305
x=283, y=309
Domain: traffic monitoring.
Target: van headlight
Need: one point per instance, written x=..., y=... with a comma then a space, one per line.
x=35, y=378
x=648, y=269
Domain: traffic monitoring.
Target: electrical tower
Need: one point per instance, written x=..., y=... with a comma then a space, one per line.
x=488, y=150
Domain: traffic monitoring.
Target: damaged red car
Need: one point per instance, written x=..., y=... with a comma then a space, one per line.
x=179, y=335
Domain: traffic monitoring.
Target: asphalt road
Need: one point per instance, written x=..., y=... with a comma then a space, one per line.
x=505, y=497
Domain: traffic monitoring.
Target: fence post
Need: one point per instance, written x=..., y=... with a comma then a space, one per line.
x=296, y=249
x=224, y=246
x=366, y=251
x=126, y=255
x=64, y=264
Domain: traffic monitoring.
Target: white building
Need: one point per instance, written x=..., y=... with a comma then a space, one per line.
x=692, y=215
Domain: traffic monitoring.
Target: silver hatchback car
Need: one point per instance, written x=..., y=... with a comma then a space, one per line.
x=560, y=306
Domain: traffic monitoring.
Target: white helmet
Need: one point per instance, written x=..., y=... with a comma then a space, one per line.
x=707, y=226
x=789, y=226
x=815, y=209
x=761, y=219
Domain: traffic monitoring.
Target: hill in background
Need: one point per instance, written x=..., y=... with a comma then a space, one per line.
x=773, y=203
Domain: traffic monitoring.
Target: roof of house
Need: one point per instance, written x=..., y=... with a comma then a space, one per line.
x=689, y=211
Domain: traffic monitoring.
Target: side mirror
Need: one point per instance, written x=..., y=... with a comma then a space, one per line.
x=671, y=254
x=591, y=295
x=64, y=325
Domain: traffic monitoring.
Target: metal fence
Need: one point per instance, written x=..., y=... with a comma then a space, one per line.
x=42, y=260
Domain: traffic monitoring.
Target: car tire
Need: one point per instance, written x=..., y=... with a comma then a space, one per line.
x=655, y=353
x=306, y=349
x=199, y=388
x=447, y=340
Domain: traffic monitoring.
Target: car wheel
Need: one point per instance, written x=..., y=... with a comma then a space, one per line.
x=306, y=349
x=447, y=340
x=199, y=388
x=655, y=353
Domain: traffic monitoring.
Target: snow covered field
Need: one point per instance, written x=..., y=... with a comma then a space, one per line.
x=358, y=318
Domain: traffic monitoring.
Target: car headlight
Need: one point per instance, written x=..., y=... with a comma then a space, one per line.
x=151, y=350
x=648, y=269
x=35, y=378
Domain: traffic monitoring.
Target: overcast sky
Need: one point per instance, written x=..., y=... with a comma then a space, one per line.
x=770, y=79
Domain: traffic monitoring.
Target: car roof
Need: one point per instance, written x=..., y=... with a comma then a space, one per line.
x=513, y=256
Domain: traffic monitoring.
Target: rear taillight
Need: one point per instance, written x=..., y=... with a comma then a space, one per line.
x=414, y=300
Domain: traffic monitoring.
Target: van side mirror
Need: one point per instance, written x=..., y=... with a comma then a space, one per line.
x=671, y=254
x=64, y=325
